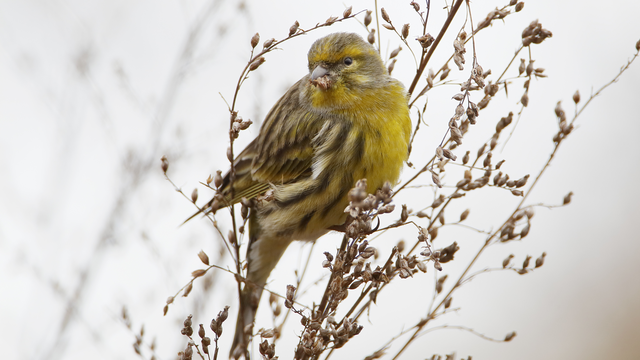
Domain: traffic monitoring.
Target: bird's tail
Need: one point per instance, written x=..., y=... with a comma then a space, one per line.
x=249, y=300
x=263, y=253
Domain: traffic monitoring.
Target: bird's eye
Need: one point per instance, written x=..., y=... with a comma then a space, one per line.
x=348, y=61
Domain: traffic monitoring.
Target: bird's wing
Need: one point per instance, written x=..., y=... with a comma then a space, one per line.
x=283, y=151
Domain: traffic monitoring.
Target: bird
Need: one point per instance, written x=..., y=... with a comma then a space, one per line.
x=346, y=120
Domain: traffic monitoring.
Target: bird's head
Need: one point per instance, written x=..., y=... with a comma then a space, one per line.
x=343, y=63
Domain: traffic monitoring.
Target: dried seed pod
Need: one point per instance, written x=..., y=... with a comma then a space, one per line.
x=525, y=263
x=209, y=180
x=422, y=267
x=433, y=233
x=331, y=20
x=464, y=215
x=540, y=260
x=510, y=336
x=576, y=97
x=524, y=100
x=440, y=283
x=481, y=150
x=519, y=6
x=484, y=102
x=525, y=230
x=268, y=43
x=437, y=202
x=426, y=40
x=198, y=273
x=529, y=212
x=256, y=64
x=449, y=154
x=391, y=66
x=503, y=180
x=499, y=164
x=347, y=12
x=522, y=67
x=517, y=192
x=436, y=179
x=367, y=18
x=395, y=52
x=371, y=38
x=164, y=164
x=188, y=289
x=217, y=180
x=465, y=158
x=530, y=68
x=445, y=72
x=559, y=112
x=415, y=5
x=447, y=303
x=506, y=261
x=255, y=39
x=405, y=30
x=194, y=195
x=440, y=153
x=496, y=179
x=203, y=257
x=567, y=198
x=487, y=160
x=404, y=215
x=471, y=115
x=385, y=16
x=522, y=181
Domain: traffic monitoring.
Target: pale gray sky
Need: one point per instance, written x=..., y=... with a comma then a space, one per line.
x=93, y=93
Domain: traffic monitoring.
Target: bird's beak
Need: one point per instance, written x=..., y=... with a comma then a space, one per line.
x=319, y=72
x=320, y=78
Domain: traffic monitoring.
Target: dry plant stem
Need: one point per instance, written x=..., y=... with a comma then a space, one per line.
x=489, y=270
x=377, y=24
x=495, y=235
x=424, y=60
x=464, y=328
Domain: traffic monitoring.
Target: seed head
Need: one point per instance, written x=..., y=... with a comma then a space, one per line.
x=294, y=28
x=385, y=16
x=567, y=198
x=164, y=164
x=347, y=12
x=256, y=64
x=203, y=257
x=255, y=39
x=371, y=38
x=395, y=52
x=268, y=43
x=405, y=30
x=576, y=96
x=367, y=18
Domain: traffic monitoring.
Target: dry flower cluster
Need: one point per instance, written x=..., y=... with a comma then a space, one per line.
x=357, y=269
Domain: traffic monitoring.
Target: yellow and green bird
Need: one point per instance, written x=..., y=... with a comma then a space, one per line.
x=346, y=120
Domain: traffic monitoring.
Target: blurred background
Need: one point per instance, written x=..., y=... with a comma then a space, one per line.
x=93, y=93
